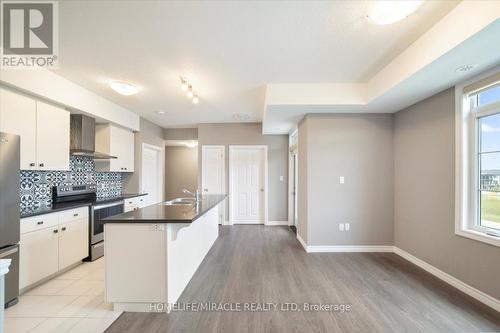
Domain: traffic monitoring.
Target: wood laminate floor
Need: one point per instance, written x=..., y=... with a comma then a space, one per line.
x=267, y=264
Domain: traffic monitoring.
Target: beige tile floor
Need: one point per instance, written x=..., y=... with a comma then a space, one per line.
x=71, y=302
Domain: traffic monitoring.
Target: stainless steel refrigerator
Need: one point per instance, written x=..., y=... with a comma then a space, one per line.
x=9, y=212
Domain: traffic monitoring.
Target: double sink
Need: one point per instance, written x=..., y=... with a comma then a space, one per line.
x=180, y=202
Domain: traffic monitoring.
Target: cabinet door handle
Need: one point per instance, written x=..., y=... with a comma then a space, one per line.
x=41, y=164
x=75, y=215
x=63, y=228
x=125, y=168
x=56, y=231
x=32, y=164
x=39, y=222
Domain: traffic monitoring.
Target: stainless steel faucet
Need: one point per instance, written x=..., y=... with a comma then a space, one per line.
x=195, y=195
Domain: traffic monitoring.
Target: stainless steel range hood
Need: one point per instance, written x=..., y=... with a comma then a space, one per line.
x=82, y=137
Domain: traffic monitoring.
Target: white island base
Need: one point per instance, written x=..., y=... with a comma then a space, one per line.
x=149, y=265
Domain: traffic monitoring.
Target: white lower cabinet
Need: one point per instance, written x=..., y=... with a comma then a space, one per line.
x=52, y=242
x=73, y=245
x=38, y=255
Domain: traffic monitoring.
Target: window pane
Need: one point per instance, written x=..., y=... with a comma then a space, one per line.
x=490, y=210
x=490, y=171
x=490, y=133
x=488, y=96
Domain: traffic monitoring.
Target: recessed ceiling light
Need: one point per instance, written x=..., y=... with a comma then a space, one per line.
x=390, y=11
x=124, y=88
x=466, y=68
x=196, y=100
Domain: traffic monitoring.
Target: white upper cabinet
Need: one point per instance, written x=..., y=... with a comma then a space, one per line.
x=43, y=128
x=118, y=142
x=18, y=116
x=52, y=137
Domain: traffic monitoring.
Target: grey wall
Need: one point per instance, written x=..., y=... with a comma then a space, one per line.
x=251, y=134
x=425, y=198
x=180, y=133
x=181, y=171
x=149, y=133
x=359, y=148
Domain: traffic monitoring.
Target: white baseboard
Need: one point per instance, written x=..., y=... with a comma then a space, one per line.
x=273, y=223
x=348, y=248
x=462, y=286
x=301, y=241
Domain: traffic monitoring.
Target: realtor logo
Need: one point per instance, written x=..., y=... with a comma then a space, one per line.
x=29, y=34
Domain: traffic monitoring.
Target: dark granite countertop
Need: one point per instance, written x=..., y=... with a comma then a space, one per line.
x=159, y=213
x=55, y=207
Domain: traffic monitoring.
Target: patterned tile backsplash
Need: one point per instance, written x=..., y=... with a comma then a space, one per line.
x=36, y=186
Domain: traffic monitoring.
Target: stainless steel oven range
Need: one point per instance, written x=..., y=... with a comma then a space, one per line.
x=99, y=209
x=99, y=212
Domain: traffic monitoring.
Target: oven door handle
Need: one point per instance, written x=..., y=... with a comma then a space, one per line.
x=113, y=204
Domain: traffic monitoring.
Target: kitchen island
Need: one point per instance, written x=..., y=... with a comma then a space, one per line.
x=151, y=253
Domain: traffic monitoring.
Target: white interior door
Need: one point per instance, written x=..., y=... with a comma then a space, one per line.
x=152, y=180
x=212, y=174
x=248, y=186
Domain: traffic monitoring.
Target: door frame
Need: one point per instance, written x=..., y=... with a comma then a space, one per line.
x=232, y=148
x=223, y=150
x=293, y=166
x=161, y=175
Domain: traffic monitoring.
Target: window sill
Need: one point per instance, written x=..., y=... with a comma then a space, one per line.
x=479, y=236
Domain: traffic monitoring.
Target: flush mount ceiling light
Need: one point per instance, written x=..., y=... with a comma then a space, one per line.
x=390, y=11
x=160, y=112
x=124, y=88
x=466, y=68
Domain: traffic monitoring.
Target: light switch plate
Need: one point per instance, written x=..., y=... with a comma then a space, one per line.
x=341, y=226
x=281, y=178
x=347, y=226
x=341, y=180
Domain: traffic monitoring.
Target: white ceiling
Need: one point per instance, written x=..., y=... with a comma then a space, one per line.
x=230, y=50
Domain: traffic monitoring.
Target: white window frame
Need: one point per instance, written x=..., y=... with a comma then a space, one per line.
x=466, y=164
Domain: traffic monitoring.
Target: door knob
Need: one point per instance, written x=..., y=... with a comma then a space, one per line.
x=56, y=231
x=63, y=228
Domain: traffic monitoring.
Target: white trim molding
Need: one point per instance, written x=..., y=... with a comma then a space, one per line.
x=348, y=248
x=462, y=286
x=276, y=223
x=302, y=242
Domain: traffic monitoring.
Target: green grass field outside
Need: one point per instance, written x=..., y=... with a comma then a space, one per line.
x=490, y=207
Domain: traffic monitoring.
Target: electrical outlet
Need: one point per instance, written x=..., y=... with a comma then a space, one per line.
x=341, y=180
x=281, y=178
x=341, y=226
x=347, y=226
